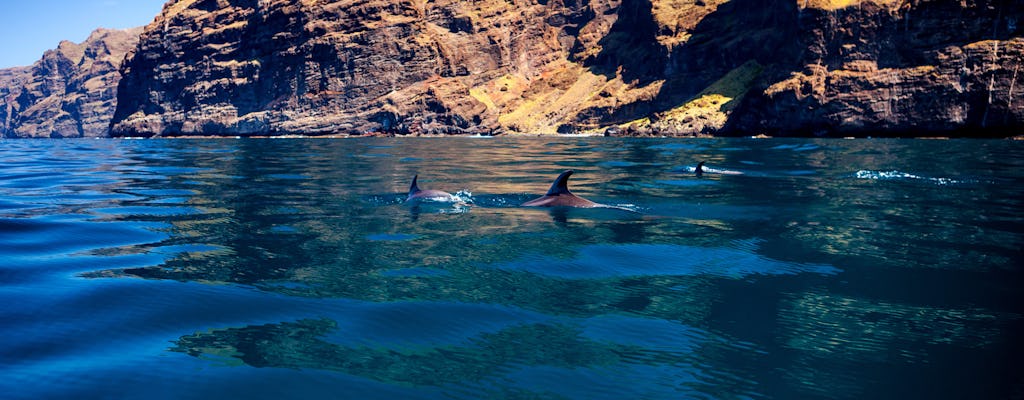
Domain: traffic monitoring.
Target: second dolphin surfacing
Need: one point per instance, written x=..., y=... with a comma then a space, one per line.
x=416, y=194
x=560, y=196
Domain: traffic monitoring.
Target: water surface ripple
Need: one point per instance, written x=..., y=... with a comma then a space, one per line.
x=294, y=269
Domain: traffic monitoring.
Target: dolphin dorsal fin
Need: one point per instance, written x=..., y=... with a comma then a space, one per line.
x=561, y=184
x=413, y=188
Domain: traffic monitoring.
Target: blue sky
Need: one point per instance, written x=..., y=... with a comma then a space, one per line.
x=30, y=27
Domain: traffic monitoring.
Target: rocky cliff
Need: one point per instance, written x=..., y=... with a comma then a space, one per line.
x=70, y=92
x=901, y=68
x=11, y=82
x=680, y=67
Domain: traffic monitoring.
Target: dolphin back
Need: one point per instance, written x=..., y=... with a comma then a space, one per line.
x=413, y=188
x=561, y=184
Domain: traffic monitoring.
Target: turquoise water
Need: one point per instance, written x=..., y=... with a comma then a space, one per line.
x=292, y=269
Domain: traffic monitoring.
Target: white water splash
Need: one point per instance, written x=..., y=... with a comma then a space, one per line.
x=709, y=170
x=899, y=175
x=633, y=208
x=463, y=196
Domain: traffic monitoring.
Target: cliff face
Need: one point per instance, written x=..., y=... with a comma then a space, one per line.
x=683, y=67
x=283, y=66
x=901, y=68
x=70, y=92
x=11, y=82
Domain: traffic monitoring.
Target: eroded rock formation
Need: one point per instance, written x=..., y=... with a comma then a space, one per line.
x=70, y=92
x=903, y=68
x=11, y=82
x=635, y=67
x=676, y=67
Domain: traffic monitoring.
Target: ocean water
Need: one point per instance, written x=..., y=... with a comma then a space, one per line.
x=267, y=269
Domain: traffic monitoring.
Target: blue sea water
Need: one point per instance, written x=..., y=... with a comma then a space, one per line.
x=267, y=269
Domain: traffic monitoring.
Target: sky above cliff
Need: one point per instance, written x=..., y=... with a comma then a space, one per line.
x=30, y=27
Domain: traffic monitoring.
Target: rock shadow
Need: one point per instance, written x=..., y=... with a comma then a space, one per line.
x=735, y=33
x=631, y=49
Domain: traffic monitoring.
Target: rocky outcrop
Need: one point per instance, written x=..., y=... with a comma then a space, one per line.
x=678, y=67
x=283, y=66
x=900, y=68
x=70, y=92
x=11, y=82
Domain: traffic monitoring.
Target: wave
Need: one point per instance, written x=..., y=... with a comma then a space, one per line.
x=708, y=170
x=905, y=176
x=797, y=147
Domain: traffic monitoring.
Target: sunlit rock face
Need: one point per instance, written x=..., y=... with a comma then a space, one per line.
x=663, y=67
x=275, y=67
x=70, y=92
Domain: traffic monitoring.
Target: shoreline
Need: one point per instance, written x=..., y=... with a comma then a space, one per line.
x=521, y=135
x=552, y=135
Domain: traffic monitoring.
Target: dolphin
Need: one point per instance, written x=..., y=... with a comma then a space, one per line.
x=560, y=196
x=700, y=169
x=417, y=194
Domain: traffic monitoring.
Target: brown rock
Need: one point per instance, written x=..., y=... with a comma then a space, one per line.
x=282, y=67
x=902, y=69
x=70, y=92
x=11, y=82
x=640, y=67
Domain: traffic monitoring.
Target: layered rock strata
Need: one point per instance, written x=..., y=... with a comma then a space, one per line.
x=677, y=67
x=900, y=68
x=11, y=82
x=70, y=92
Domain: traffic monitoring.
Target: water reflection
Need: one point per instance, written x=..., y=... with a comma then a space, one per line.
x=603, y=357
x=865, y=330
x=602, y=261
x=918, y=343
x=301, y=345
x=798, y=278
